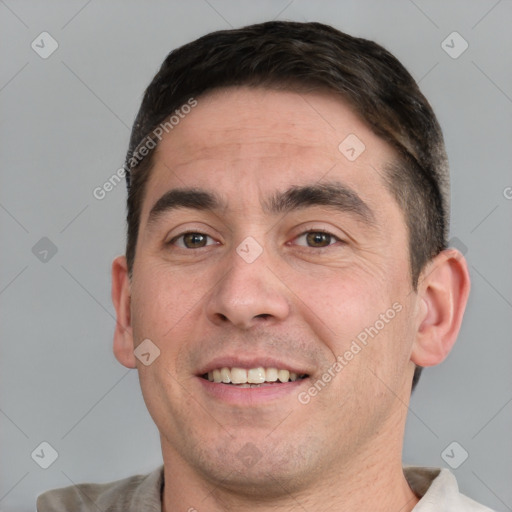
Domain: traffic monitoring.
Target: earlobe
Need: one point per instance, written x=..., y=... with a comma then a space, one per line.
x=121, y=298
x=443, y=291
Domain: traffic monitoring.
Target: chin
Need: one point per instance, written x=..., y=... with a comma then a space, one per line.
x=260, y=469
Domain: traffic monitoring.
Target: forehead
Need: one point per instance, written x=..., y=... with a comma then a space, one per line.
x=272, y=118
x=242, y=138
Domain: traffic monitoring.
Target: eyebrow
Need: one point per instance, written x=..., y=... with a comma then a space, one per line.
x=332, y=194
x=193, y=198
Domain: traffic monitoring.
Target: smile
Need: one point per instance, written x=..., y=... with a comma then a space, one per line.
x=253, y=377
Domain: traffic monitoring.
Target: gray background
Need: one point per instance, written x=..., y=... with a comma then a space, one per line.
x=64, y=131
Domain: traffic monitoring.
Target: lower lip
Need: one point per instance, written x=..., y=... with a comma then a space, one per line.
x=251, y=396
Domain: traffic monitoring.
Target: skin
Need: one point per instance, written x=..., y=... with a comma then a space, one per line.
x=297, y=303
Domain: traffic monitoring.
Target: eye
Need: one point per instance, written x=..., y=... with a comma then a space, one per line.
x=192, y=240
x=317, y=239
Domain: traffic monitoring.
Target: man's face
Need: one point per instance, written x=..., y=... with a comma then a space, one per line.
x=294, y=248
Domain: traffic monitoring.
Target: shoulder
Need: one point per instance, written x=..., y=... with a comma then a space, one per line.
x=438, y=491
x=121, y=495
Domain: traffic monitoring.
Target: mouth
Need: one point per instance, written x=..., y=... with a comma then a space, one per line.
x=253, y=377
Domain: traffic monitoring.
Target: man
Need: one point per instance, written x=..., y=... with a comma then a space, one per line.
x=286, y=277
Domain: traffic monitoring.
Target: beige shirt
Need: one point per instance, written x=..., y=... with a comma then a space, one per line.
x=142, y=493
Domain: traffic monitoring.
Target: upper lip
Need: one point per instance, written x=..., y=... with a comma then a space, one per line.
x=253, y=362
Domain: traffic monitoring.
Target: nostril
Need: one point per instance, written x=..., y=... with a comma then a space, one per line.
x=263, y=315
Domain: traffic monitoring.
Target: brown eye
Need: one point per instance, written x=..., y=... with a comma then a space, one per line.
x=192, y=240
x=318, y=239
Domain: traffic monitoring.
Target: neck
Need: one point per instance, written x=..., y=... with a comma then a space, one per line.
x=372, y=480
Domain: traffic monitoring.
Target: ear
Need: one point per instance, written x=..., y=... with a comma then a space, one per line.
x=443, y=290
x=121, y=297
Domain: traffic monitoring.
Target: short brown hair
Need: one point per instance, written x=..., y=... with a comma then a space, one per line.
x=310, y=56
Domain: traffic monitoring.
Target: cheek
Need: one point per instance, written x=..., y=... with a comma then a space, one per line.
x=345, y=301
x=361, y=317
x=164, y=305
x=164, y=310
x=162, y=298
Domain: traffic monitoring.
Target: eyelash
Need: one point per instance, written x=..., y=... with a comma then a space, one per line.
x=304, y=233
x=176, y=238
x=323, y=232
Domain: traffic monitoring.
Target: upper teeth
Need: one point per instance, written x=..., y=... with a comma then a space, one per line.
x=252, y=376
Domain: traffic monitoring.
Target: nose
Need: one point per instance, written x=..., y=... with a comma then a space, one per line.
x=248, y=294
